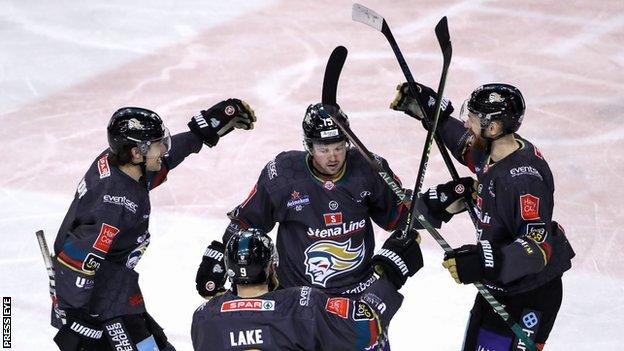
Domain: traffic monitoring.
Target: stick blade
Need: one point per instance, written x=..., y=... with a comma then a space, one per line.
x=444, y=39
x=332, y=74
x=363, y=14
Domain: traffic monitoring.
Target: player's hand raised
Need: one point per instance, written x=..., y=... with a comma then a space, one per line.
x=210, y=277
x=209, y=125
x=422, y=106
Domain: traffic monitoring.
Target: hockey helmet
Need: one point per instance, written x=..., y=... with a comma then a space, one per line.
x=135, y=126
x=497, y=102
x=249, y=255
x=318, y=127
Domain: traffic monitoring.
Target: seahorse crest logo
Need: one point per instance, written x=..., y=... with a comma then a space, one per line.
x=326, y=259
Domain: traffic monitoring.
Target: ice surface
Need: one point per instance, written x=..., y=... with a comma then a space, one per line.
x=65, y=66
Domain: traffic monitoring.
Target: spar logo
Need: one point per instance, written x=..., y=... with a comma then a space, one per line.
x=326, y=259
x=103, y=167
x=248, y=305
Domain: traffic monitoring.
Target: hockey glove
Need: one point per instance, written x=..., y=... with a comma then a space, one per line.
x=81, y=332
x=220, y=119
x=210, y=277
x=471, y=263
x=446, y=200
x=421, y=107
x=399, y=258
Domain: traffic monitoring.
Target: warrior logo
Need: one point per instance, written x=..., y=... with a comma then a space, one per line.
x=327, y=259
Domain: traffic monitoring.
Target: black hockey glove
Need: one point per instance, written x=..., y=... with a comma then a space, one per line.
x=446, y=200
x=399, y=258
x=210, y=277
x=81, y=332
x=220, y=119
x=471, y=263
x=421, y=107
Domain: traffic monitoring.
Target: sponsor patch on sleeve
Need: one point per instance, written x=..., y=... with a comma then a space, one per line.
x=362, y=312
x=105, y=238
x=529, y=207
x=92, y=262
x=536, y=232
x=103, y=167
x=338, y=306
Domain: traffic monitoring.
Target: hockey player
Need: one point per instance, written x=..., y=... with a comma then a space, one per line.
x=99, y=305
x=323, y=199
x=297, y=318
x=521, y=253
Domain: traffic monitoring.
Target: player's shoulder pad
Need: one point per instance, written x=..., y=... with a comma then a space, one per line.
x=282, y=163
x=524, y=166
x=212, y=306
x=357, y=161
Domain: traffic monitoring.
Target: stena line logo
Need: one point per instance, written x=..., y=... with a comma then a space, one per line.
x=337, y=229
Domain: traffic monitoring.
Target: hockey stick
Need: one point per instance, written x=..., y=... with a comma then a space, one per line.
x=379, y=168
x=369, y=17
x=47, y=261
x=441, y=31
x=330, y=87
x=330, y=84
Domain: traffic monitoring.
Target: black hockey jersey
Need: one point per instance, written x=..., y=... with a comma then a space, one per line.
x=297, y=318
x=514, y=207
x=105, y=233
x=325, y=237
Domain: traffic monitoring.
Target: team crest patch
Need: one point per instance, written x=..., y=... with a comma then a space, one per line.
x=529, y=207
x=326, y=259
x=248, y=305
x=496, y=97
x=338, y=306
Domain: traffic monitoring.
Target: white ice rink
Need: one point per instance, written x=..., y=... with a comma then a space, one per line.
x=65, y=66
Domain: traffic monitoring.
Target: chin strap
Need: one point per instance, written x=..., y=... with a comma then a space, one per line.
x=143, y=178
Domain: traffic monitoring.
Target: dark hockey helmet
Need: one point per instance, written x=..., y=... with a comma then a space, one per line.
x=318, y=126
x=249, y=255
x=497, y=102
x=135, y=126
